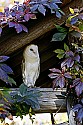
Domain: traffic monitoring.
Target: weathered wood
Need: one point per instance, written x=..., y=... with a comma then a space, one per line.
x=43, y=26
x=50, y=100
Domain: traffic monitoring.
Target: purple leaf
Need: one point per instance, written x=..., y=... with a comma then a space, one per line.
x=26, y=17
x=64, y=63
x=42, y=9
x=56, y=1
x=69, y=53
x=34, y=7
x=77, y=58
x=3, y=58
x=13, y=14
x=3, y=22
x=53, y=6
x=18, y=28
x=1, y=14
x=55, y=70
x=70, y=62
x=47, y=5
x=76, y=67
x=24, y=28
x=79, y=88
x=77, y=107
x=78, y=84
x=79, y=116
x=6, y=9
x=11, y=24
x=67, y=75
x=76, y=81
x=17, y=16
x=53, y=75
x=6, y=68
x=58, y=14
x=80, y=16
x=55, y=84
x=61, y=82
x=3, y=76
x=0, y=30
x=74, y=20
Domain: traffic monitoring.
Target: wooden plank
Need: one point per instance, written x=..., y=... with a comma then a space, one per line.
x=50, y=100
x=41, y=27
x=64, y=123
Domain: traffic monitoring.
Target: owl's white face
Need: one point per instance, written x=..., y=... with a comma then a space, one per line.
x=32, y=51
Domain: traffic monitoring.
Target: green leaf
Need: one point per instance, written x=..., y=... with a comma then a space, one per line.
x=1, y=105
x=60, y=51
x=61, y=12
x=11, y=80
x=23, y=89
x=71, y=10
x=6, y=93
x=60, y=56
x=81, y=27
x=66, y=47
x=61, y=29
x=59, y=36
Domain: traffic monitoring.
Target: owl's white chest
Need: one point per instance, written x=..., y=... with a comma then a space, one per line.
x=31, y=73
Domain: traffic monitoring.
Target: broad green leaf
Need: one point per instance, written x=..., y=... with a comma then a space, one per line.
x=71, y=10
x=81, y=27
x=11, y=80
x=60, y=56
x=60, y=28
x=60, y=51
x=6, y=93
x=66, y=47
x=1, y=105
x=23, y=89
x=59, y=36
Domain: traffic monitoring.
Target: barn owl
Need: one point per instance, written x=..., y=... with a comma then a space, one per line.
x=30, y=65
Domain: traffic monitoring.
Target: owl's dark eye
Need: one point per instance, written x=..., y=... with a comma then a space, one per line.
x=31, y=49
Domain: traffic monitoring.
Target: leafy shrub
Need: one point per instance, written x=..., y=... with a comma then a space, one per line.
x=71, y=73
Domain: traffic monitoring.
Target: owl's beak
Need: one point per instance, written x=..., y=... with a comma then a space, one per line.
x=34, y=52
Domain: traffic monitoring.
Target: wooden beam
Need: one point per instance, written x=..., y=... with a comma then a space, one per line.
x=51, y=101
x=39, y=28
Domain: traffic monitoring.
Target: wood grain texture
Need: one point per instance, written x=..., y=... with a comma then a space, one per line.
x=50, y=100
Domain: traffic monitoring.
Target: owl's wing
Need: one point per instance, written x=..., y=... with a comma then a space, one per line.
x=23, y=69
x=37, y=73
